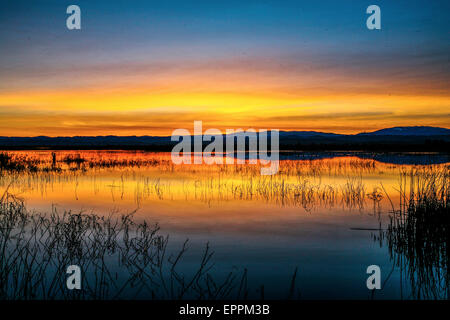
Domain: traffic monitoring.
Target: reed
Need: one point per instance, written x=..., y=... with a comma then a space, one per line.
x=418, y=232
x=120, y=259
x=306, y=184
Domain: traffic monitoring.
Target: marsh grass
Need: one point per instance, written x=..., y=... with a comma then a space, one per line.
x=418, y=233
x=154, y=176
x=9, y=165
x=83, y=161
x=307, y=184
x=127, y=259
x=119, y=259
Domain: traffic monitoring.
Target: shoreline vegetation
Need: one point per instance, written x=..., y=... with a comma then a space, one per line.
x=122, y=259
x=299, y=183
x=419, y=139
x=417, y=236
x=129, y=259
x=400, y=145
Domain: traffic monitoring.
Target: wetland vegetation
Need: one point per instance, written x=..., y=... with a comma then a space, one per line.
x=127, y=255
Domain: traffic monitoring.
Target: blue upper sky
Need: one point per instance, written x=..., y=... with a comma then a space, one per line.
x=111, y=30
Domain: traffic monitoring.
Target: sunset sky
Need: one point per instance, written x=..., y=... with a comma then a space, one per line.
x=150, y=67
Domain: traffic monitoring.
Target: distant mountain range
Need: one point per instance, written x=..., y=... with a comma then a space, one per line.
x=419, y=138
x=409, y=131
x=395, y=131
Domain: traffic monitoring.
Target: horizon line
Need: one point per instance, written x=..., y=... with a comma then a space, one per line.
x=260, y=130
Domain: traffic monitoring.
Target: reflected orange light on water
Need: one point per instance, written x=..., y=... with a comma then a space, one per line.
x=199, y=195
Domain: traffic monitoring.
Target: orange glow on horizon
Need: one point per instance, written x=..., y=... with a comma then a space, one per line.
x=233, y=101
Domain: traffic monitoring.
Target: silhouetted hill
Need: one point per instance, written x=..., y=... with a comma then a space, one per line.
x=409, y=131
x=390, y=139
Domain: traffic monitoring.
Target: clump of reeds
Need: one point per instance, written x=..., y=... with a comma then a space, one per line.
x=73, y=159
x=418, y=233
x=8, y=164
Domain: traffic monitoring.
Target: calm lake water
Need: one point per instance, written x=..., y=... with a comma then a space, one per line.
x=321, y=213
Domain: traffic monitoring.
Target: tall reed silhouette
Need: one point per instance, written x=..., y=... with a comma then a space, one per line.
x=418, y=233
